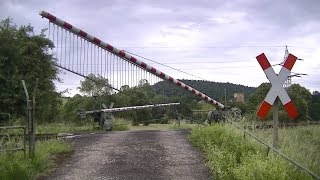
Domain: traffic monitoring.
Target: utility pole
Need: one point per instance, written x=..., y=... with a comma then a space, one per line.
x=276, y=123
x=288, y=82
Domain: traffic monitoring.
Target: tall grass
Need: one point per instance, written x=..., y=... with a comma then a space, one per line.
x=17, y=166
x=302, y=144
x=231, y=156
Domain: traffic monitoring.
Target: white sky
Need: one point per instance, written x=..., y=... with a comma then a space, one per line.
x=215, y=40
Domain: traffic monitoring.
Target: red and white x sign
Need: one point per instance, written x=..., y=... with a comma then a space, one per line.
x=277, y=89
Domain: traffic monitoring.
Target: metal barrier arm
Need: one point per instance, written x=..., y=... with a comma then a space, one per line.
x=127, y=57
x=130, y=108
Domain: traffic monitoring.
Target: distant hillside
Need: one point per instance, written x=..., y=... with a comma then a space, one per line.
x=212, y=89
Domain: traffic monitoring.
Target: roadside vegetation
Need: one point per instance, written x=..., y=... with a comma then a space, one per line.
x=48, y=128
x=231, y=156
x=301, y=143
x=14, y=165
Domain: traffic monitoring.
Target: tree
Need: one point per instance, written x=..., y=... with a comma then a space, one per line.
x=301, y=98
x=124, y=88
x=95, y=86
x=24, y=55
x=256, y=98
x=315, y=106
x=315, y=93
x=143, y=83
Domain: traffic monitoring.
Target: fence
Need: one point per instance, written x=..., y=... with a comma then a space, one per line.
x=267, y=125
x=5, y=138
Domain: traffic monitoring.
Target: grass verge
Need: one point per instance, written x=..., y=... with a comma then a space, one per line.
x=64, y=128
x=302, y=144
x=17, y=166
x=230, y=156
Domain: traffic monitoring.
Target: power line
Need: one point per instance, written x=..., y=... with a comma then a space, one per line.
x=165, y=65
x=207, y=62
x=215, y=47
x=225, y=67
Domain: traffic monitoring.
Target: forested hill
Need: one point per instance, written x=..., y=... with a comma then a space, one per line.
x=212, y=89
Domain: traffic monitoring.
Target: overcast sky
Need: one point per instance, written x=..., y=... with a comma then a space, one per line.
x=215, y=40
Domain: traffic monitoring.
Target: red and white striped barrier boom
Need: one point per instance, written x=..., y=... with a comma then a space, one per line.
x=130, y=108
x=127, y=57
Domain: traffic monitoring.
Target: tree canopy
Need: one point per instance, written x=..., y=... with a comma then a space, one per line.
x=95, y=86
x=300, y=96
x=25, y=56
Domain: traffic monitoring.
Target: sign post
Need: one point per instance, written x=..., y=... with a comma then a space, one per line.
x=275, y=123
x=276, y=92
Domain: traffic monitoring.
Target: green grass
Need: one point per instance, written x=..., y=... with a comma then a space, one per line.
x=171, y=126
x=231, y=156
x=183, y=125
x=64, y=128
x=301, y=144
x=120, y=124
x=17, y=166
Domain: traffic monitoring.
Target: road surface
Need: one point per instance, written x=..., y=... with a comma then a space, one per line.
x=133, y=155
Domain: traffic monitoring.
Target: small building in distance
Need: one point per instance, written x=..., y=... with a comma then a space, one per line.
x=238, y=97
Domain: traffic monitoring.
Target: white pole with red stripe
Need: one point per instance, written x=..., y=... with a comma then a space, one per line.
x=122, y=109
x=277, y=89
x=127, y=57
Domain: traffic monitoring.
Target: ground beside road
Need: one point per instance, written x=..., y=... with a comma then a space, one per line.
x=133, y=155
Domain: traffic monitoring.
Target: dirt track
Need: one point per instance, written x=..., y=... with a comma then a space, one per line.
x=133, y=155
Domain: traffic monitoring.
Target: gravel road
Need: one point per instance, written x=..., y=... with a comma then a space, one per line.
x=133, y=155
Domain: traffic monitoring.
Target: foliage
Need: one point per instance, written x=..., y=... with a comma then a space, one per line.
x=77, y=104
x=300, y=96
x=17, y=166
x=230, y=156
x=212, y=89
x=95, y=86
x=315, y=106
x=256, y=98
x=26, y=56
